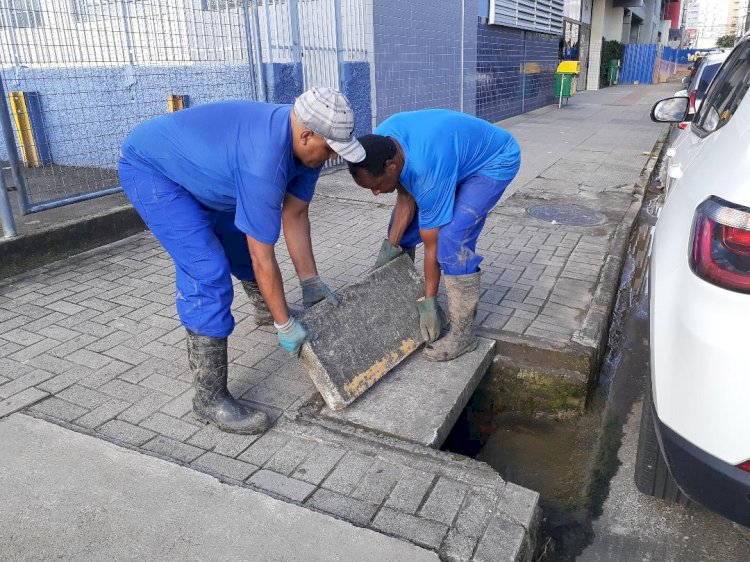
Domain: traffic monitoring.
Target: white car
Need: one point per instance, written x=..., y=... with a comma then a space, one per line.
x=695, y=429
x=697, y=85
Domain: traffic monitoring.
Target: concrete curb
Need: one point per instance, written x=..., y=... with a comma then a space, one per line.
x=593, y=334
x=26, y=252
x=534, y=375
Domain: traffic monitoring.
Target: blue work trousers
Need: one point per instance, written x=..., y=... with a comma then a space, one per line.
x=457, y=241
x=205, y=245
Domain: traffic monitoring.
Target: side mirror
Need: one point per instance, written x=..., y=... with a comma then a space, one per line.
x=670, y=110
x=685, y=80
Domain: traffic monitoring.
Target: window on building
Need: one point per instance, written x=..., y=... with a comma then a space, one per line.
x=572, y=9
x=91, y=10
x=219, y=5
x=21, y=13
x=570, y=46
x=80, y=10
x=586, y=9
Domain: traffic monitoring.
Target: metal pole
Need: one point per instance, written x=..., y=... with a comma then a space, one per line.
x=462, y=77
x=339, y=42
x=261, y=94
x=10, y=145
x=55, y=203
x=294, y=24
x=126, y=31
x=258, y=83
x=6, y=212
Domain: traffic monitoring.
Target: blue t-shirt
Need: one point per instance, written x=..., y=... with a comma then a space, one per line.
x=232, y=155
x=442, y=149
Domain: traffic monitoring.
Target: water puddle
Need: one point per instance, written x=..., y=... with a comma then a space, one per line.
x=570, y=460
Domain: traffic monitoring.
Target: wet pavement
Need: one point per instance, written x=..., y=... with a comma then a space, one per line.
x=630, y=526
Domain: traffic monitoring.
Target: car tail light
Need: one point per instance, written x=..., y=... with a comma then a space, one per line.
x=683, y=125
x=692, y=96
x=744, y=466
x=720, y=249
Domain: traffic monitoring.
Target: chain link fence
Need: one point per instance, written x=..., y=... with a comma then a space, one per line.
x=79, y=75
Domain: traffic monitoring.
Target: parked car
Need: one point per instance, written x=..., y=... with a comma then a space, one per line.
x=694, y=440
x=697, y=85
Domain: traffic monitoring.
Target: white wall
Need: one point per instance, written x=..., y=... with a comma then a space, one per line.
x=613, y=21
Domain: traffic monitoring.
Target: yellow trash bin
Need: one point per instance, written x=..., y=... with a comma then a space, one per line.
x=566, y=79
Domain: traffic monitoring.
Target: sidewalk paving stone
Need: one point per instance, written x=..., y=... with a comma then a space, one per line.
x=224, y=466
x=282, y=485
x=420, y=531
x=21, y=400
x=358, y=512
x=126, y=433
x=444, y=501
x=59, y=409
x=171, y=449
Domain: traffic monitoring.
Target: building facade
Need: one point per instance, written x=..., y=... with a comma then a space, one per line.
x=706, y=21
x=96, y=68
x=738, y=19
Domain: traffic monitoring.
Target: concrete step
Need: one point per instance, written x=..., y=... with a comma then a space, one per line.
x=419, y=400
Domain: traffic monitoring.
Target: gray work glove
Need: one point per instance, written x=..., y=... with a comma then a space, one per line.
x=387, y=253
x=429, y=319
x=292, y=334
x=314, y=291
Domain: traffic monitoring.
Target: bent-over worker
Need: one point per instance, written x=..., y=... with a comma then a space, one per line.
x=449, y=170
x=214, y=184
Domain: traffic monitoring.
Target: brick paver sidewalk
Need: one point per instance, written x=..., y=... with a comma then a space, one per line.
x=94, y=342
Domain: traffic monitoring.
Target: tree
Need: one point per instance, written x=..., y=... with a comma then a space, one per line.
x=726, y=41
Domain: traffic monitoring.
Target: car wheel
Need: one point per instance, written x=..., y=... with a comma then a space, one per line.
x=652, y=475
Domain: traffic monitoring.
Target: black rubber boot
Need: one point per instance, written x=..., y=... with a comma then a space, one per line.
x=262, y=314
x=212, y=401
x=463, y=295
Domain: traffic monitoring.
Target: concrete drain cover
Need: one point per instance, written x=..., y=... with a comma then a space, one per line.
x=573, y=215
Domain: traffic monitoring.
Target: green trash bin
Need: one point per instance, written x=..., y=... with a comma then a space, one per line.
x=566, y=79
x=612, y=71
x=564, y=86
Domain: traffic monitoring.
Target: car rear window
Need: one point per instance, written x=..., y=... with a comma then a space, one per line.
x=726, y=92
x=708, y=74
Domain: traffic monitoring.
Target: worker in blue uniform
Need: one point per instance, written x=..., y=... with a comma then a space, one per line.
x=449, y=170
x=215, y=184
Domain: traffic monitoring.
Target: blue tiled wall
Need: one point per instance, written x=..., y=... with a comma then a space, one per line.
x=515, y=71
x=418, y=47
x=88, y=112
x=417, y=55
x=499, y=80
x=541, y=64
